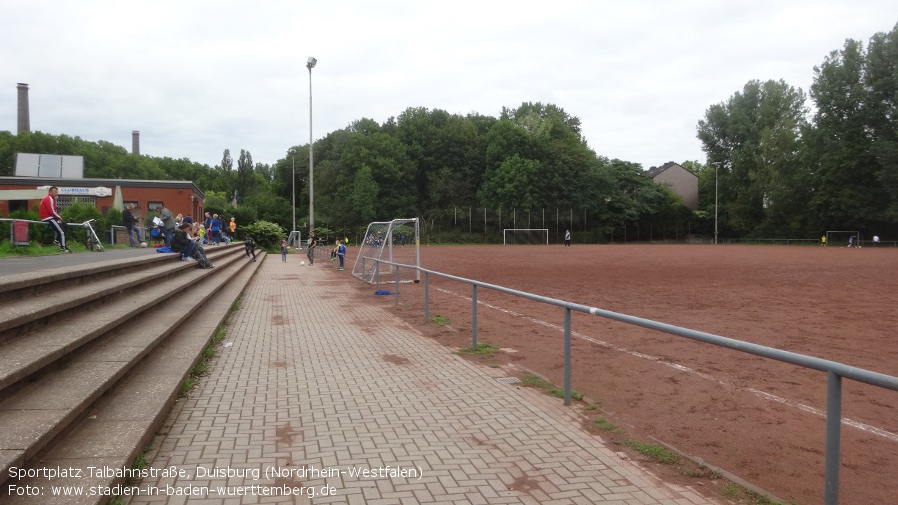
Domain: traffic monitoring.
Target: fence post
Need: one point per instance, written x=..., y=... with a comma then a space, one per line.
x=377, y=275
x=833, y=438
x=396, y=291
x=426, y=298
x=567, y=356
x=473, y=317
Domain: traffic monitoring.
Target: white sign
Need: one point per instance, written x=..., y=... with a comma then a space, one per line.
x=71, y=191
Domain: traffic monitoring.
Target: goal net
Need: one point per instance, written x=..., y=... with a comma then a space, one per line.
x=525, y=236
x=843, y=238
x=397, y=241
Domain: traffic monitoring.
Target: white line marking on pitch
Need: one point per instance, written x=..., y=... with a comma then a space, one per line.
x=767, y=396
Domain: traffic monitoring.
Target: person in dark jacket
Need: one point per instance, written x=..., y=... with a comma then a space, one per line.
x=168, y=223
x=130, y=223
x=250, y=245
x=189, y=247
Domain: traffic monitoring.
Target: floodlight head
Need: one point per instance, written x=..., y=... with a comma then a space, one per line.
x=310, y=64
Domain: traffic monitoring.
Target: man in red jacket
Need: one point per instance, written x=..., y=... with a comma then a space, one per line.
x=50, y=214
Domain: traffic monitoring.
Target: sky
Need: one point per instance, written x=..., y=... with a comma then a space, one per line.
x=196, y=77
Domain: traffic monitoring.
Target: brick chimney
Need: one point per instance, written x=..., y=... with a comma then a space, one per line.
x=24, y=124
x=135, y=142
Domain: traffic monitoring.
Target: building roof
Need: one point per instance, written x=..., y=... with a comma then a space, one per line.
x=131, y=183
x=656, y=171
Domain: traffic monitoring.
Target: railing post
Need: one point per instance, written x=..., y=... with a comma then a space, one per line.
x=567, y=356
x=833, y=438
x=396, y=291
x=474, y=318
x=426, y=298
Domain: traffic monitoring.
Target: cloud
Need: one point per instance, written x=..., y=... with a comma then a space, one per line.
x=198, y=77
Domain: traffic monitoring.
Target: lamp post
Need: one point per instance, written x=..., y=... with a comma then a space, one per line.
x=293, y=179
x=310, y=64
x=716, y=166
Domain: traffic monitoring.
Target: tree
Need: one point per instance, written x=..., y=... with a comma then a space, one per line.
x=246, y=181
x=847, y=193
x=364, y=195
x=756, y=138
x=514, y=185
x=881, y=77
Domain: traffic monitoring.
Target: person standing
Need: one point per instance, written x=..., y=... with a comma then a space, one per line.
x=233, y=227
x=283, y=250
x=215, y=229
x=49, y=213
x=823, y=240
x=851, y=241
x=310, y=247
x=207, y=225
x=341, y=252
x=168, y=223
x=567, y=238
x=130, y=223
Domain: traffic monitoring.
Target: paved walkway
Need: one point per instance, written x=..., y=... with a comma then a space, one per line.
x=311, y=393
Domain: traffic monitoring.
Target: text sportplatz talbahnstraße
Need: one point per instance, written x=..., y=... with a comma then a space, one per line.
x=291, y=474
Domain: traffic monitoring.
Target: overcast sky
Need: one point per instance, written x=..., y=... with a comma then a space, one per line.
x=197, y=76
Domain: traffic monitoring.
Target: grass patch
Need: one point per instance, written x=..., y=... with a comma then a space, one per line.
x=548, y=388
x=439, y=320
x=535, y=382
x=7, y=250
x=189, y=382
x=603, y=424
x=481, y=350
x=736, y=492
x=220, y=334
x=655, y=452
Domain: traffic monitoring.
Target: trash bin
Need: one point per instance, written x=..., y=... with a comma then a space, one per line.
x=20, y=233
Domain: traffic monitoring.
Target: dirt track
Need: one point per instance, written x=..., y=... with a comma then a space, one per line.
x=757, y=418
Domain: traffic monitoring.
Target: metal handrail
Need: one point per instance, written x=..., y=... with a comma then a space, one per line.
x=834, y=371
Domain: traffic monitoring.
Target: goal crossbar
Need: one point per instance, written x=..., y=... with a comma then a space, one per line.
x=841, y=236
x=525, y=236
x=397, y=241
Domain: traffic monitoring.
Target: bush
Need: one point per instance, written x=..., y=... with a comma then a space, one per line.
x=114, y=217
x=267, y=235
x=78, y=213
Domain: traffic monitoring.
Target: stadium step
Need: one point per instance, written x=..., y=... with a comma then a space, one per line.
x=92, y=359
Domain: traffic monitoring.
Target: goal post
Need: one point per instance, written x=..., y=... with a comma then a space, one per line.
x=525, y=236
x=841, y=238
x=397, y=241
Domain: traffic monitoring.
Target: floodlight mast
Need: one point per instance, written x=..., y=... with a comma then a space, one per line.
x=310, y=64
x=292, y=152
x=716, y=166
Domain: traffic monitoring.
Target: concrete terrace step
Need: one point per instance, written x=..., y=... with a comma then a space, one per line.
x=36, y=349
x=54, y=387
x=82, y=286
x=123, y=422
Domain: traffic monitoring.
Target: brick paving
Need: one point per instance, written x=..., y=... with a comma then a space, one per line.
x=318, y=389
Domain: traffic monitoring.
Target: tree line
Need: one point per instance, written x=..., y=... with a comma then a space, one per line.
x=787, y=169
x=783, y=167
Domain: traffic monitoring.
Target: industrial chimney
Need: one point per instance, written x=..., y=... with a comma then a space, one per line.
x=24, y=116
x=135, y=142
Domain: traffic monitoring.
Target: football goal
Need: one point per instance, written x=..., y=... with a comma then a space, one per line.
x=525, y=236
x=843, y=238
x=397, y=241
